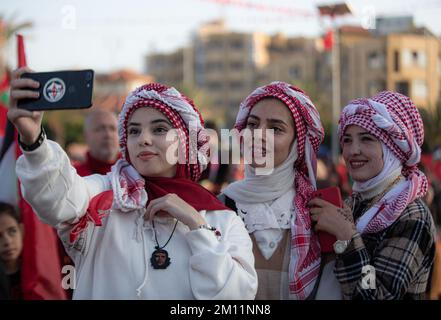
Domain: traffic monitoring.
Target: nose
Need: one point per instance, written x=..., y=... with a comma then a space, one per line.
x=259, y=134
x=109, y=132
x=6, y=241
x=355, y=148
x=145, y=138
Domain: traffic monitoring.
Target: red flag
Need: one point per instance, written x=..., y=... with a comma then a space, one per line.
x=328, y=40
x=41, y=267
x=21, y=51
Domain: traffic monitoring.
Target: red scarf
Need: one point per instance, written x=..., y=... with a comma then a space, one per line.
x=92, y=166
x=191, y=192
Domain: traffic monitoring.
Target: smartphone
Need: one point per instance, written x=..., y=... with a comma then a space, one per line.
x=333, y=196
x=60, y=90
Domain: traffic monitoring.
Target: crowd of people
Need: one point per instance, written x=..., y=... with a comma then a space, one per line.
x=137, y=225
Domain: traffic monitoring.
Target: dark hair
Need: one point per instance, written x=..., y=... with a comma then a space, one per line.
x=6, y=208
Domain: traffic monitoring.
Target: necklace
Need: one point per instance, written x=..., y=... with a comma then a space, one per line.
x=160, y=258
x=380, y=195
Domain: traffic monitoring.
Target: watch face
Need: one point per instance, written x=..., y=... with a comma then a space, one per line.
x=340, y=246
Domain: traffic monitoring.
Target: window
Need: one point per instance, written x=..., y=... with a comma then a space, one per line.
x=402, y=87
x=236, y=66
x=439, y=64
x=414, y=58
x=419, y=88
x=214, y=45
x=295, y=72
x=375, y=60
x=376, y=86
x=396, y=61
x=237, y=44
x=214, y=85
x=421, y=59
x=214, y=66
x=234, y=104
x=236, y=85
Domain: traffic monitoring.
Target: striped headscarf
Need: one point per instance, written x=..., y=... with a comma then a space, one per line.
x=394, y=120
x=128, y=185
x=305, y=250
x=182, y=113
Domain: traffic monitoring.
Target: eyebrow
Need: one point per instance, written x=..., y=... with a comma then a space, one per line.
x=360, y=134
x=151, y=122
x=278, y=121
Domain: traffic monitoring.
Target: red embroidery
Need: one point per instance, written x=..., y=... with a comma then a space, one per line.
x=94, y=214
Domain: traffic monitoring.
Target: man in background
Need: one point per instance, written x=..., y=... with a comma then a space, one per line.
x=101, y=135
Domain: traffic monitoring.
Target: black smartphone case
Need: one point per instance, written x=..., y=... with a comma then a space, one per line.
x=60, y=90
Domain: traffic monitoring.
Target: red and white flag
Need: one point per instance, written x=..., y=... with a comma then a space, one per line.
x=41, y=267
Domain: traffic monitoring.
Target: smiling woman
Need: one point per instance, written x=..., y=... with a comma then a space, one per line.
x=148, y=144
x=362, y=153
x=273, y=206
x=147, y=229
x=385, y=246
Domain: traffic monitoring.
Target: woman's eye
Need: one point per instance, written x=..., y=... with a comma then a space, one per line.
x=251, y=125
x=133, y=131
x=160, y=130
x=12, y=231
x=277, y=129
x=346, y=140
x=368, y=139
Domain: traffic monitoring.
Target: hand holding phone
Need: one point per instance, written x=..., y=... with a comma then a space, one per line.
x=27, y=123
x=331, y=195
x=60, y=90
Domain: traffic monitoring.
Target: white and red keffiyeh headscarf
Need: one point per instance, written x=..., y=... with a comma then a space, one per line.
x=305, y=250
x=394, y=120
x=131, y=190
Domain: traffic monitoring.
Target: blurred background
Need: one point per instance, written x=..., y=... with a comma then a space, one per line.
x=218, y=51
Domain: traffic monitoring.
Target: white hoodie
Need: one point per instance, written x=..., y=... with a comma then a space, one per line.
x=112, y=261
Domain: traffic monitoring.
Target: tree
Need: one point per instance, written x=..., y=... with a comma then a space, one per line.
x=8, y=27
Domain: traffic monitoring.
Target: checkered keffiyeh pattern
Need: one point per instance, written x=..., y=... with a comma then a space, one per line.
x=305, y=249
x=183, y=115
x=393, y=119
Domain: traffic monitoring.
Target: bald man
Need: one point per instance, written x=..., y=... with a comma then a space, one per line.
x=101, y=135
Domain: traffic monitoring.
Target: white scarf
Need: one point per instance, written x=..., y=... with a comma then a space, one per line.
x=392, y=168
x=264, y=188
x=269, y=199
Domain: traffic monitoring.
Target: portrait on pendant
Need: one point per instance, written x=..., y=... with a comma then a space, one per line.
x=160, y=259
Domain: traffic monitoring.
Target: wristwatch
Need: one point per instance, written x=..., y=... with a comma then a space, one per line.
x=340, y=246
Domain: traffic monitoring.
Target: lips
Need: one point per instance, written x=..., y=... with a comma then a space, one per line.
x=8, y=252
x=146, y=155
x=259, y=151
x=357, y=164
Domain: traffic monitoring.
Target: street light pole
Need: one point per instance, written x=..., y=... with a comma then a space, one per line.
x=336, y=93
x=334, y=10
